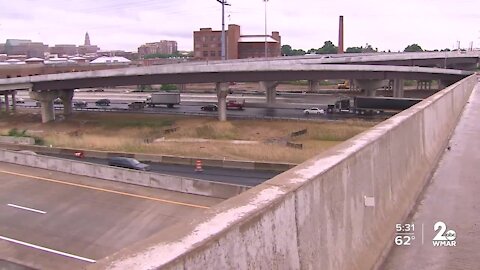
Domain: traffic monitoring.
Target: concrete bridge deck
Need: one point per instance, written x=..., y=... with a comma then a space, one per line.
x=452, y=197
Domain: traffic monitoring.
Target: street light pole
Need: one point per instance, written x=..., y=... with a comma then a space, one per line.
x=266, y=48
x=223, y=2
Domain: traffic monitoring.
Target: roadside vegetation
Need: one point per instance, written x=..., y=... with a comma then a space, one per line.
x=174, y=135
x=14, y=132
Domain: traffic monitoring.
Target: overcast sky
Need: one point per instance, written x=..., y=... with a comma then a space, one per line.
x=305, y=24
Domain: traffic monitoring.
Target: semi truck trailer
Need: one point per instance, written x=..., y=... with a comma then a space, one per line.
x=164, y=98
x=371, y=105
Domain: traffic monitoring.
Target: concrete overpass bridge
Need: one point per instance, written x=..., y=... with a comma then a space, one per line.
x=452, y=60
x=45, y=88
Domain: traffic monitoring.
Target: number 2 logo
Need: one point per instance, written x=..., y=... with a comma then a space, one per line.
x=441, y=227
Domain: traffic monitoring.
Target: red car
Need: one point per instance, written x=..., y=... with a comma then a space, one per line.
x=233, y=104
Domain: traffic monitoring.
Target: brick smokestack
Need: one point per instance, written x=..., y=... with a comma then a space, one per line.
x=340, y=35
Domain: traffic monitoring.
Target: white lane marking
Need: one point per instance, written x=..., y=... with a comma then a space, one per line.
x=46, y=249
x=26, y=208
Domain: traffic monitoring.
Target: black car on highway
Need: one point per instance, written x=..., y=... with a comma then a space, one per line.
x=80, y=104
x=128, y=163
x=210, y=107
x=103, y=102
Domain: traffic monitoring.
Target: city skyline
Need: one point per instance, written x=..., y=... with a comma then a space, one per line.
x=126, y=25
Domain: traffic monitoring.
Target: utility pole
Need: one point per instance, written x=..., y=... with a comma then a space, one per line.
x=224, y=3
x=266, y=48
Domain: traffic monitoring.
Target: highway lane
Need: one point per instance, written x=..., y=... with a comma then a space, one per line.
x=288, y=105
x=194, y=109
x=51, y=220
x=223, y=175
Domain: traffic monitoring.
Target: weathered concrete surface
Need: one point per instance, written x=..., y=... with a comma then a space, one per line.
x=17, y=140
x=452, y=197
x=85, y=216
x=222, y=163
x=149, y=179
x=281, y=70
x=314, y=216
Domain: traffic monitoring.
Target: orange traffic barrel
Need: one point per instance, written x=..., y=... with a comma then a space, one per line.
x=198, y=166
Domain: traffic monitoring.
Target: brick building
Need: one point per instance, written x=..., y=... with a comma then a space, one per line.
x=207, y=44
x=162, y=47
x=64, y=50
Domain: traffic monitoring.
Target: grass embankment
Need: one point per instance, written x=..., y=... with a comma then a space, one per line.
x=137, y=133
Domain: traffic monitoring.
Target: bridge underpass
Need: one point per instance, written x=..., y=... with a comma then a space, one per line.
x=45, y=88
x=338, y=210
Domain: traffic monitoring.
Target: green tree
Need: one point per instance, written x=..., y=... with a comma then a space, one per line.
x=328, y=48
x=168, y=87
x=160, y=55
x=298, y=52
x=369, y=49
x=413, y=48
x=354, y=50
x=287, y=50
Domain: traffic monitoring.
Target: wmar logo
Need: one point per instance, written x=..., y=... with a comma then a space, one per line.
x=443, y=238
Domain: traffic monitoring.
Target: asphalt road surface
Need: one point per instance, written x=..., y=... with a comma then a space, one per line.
x=290, y=105
x=451, y=203
x=223, y=175
x=51, y=220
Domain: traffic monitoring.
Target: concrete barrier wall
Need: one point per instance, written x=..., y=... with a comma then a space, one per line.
x=221, y=163
x=315, y=216
x=17, y=140
x=149, y=179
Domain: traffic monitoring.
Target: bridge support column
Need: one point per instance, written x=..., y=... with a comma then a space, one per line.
x=222, y=91
x=67, y=96
x=313, y=85
x=370, y=86
x=7, y=103
x=46, y=100
x=398, y=90
x=14, y=100
x=270, y=88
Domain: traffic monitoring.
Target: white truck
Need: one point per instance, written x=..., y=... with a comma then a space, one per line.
x=163, y=98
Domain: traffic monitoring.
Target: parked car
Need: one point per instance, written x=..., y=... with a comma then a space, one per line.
x=313, y=111
x=19, y=100
x=80, y=104
x=209, y=107
x=103, y=102
x=128, y=163
x=57, y=101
